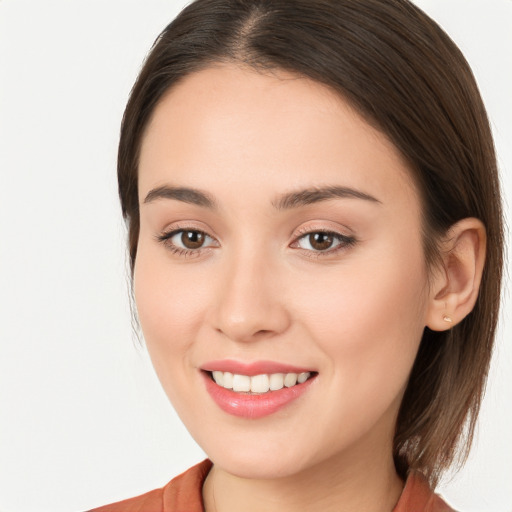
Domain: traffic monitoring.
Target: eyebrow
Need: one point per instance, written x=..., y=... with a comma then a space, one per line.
x=184, y=194
x=316, y=195
x=285, y=202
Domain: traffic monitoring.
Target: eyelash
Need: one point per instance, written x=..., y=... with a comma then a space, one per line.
x=345, y=242
x=165, y=239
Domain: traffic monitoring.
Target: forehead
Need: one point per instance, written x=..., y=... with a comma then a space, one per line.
x=229, y=124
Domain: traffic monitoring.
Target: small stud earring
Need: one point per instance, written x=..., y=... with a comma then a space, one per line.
x=448, y=319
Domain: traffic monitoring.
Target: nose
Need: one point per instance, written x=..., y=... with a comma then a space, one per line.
x=250, y=303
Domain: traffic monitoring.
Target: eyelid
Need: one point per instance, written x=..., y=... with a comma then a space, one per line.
x=185, y=225
x=323, y=227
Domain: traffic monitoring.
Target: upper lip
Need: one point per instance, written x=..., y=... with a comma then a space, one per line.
x=252, y=368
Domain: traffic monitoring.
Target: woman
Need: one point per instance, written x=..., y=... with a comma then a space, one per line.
x=315, y=238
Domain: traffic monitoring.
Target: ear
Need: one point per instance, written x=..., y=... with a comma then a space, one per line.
x=456, y=283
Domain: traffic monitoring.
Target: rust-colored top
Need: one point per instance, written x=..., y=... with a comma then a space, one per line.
x=183, y=494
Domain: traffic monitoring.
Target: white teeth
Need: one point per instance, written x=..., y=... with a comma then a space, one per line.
x=276, y=381
x=303, y=377
x=259, y=383
x=227, y=381
x=218, y=377
x=290, y=380
x=241, y=383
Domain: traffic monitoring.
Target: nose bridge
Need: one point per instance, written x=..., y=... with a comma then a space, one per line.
x=249, y=305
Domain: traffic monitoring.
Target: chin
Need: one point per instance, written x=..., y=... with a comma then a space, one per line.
x=258, y=467
x=258, y=459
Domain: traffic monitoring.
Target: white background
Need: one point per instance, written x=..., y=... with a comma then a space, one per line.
x=83, y=421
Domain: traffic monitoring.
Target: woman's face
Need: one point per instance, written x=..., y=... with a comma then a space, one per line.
x=280, y=234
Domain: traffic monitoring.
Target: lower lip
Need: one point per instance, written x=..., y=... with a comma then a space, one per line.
x=253, y=406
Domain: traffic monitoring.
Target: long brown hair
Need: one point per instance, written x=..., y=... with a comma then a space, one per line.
x=406, y=77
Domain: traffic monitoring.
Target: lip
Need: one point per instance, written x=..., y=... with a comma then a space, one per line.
x=254, y=406
x=253, y=368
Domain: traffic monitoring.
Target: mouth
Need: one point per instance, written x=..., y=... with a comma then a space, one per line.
x=258, y=384
x=249, y=393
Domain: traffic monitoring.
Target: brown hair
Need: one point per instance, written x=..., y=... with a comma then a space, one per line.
x=407, y=78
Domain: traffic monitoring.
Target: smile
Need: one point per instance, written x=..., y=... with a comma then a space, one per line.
x=263, y=383
x=255, y=390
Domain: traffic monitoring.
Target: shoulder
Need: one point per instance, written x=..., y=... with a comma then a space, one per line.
x=181, y=493
x=418, y=496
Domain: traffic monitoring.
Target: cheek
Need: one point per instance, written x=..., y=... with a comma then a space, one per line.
x=368, y=315
x=367, y=319
x=169, y=301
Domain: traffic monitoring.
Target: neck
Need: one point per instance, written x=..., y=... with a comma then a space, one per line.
x=341, y=484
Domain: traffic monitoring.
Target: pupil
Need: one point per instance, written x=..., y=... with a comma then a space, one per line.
x=192, y=239
x=320, y=241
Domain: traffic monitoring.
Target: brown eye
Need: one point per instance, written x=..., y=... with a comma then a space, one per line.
x=321, y=241
x=324, y=241
x=187, y=240
x=192, y=239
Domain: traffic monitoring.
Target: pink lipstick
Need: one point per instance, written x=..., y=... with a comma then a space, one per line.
x=257, y=389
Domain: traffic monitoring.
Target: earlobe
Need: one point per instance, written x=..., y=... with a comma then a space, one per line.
x=456, y=284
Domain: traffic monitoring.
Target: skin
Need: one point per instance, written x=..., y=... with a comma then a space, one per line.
x=257, y=291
